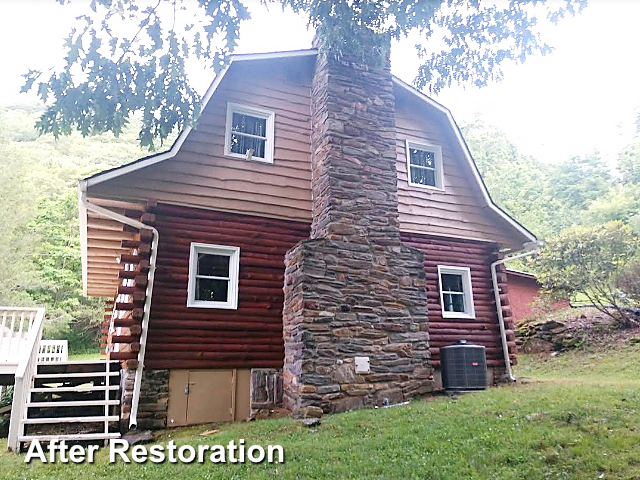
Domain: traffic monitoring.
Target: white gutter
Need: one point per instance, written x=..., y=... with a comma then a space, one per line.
x=133, y=419
x=529, y=249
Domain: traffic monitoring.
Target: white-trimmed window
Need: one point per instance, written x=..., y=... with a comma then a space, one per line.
x=456, y=294
x=424, y=165
x=249, y=133
x=213, y=276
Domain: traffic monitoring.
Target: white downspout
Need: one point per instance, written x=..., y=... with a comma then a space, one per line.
x=529, y=249
x=133, y=419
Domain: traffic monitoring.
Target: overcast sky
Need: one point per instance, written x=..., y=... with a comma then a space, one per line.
x=584, y=96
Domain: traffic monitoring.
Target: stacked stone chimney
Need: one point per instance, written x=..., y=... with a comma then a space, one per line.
x=354, y=294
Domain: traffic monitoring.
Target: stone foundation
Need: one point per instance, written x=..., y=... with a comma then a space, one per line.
x=353, y=292
x=154, y=398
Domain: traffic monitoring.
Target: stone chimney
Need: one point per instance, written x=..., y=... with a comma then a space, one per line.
x=355, y=309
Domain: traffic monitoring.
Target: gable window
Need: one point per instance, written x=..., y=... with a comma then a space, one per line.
x=456, y=295
x=249, y=133
x=424, y=165
x=213, y=276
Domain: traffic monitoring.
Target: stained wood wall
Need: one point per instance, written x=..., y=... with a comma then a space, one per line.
x=484, y=329
x=201, y=176
x=251, y=336
x=459, y=210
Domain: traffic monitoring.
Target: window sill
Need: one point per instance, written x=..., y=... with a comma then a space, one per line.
x=210, y=305
x=237, y=156
x=458, y=315
x=426, y=187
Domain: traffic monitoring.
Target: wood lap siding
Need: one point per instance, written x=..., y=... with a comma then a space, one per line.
x=460, y=210
x=251, y=336
x=201, y=176
x=484, y=329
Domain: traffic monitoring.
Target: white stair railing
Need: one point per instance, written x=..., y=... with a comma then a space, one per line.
x=27, y=364
x=15, y=324
x=53, y=351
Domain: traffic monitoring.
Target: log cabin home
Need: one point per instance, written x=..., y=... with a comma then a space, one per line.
x=311, y=245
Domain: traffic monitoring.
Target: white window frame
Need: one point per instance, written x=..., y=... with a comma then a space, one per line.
x=467, y=289
x=268, y=115
x=234, y=267
x=439, y=171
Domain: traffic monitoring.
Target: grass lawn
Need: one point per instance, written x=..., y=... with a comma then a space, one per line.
x=573, y=416
x=90, y=355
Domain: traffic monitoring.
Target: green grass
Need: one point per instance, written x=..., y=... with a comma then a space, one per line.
x=90, y=355
x=574, y=416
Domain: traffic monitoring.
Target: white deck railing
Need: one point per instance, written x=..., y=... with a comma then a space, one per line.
x=27, y=363
x=15, y=325
x=53, y=351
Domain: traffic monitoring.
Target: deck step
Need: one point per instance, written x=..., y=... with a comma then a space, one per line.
x=62, y=376
x=97, y=419
x=79, y=389
x=73, y=436
x=77, y=403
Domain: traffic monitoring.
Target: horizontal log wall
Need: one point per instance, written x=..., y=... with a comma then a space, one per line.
x=251, y=336
x=484, y=329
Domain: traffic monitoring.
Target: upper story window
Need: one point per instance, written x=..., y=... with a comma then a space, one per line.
x=249, y=133
x=424, y=165
x=213, y=276
x=456, y=295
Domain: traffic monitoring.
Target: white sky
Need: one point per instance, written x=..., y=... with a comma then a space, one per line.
x=584, y=96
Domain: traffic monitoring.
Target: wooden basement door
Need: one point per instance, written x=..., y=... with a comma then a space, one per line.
x=206, y=396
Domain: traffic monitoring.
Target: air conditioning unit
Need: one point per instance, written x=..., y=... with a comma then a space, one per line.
x=464, y=366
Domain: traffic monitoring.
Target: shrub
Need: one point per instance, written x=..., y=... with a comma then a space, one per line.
x=590, y=261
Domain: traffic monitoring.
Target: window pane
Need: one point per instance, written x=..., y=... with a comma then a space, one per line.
x=422, y=158
x=248, y=124
x=453, y=302
x=213, y=265
x=211, y=290
x=423, y=176
x=241, y=144
x=451, y=283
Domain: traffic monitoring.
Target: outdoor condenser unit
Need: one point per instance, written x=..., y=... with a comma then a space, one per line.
x=464, y=366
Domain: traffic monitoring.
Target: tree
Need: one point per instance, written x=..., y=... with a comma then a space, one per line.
x=590, y=261
x=39, y=243
x=580, y=180
x=629, y=163
x=128, y=56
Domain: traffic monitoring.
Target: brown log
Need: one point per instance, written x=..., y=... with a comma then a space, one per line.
x=125, y=322
x=195, y=364
x=123, y=355
x=231, y=219
x=128, y=258
x=207, y=348
x=124, y=338
x=130, y=243
x=463, y=324
x=125, y=306
x=215, y=325
x=191, y=355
